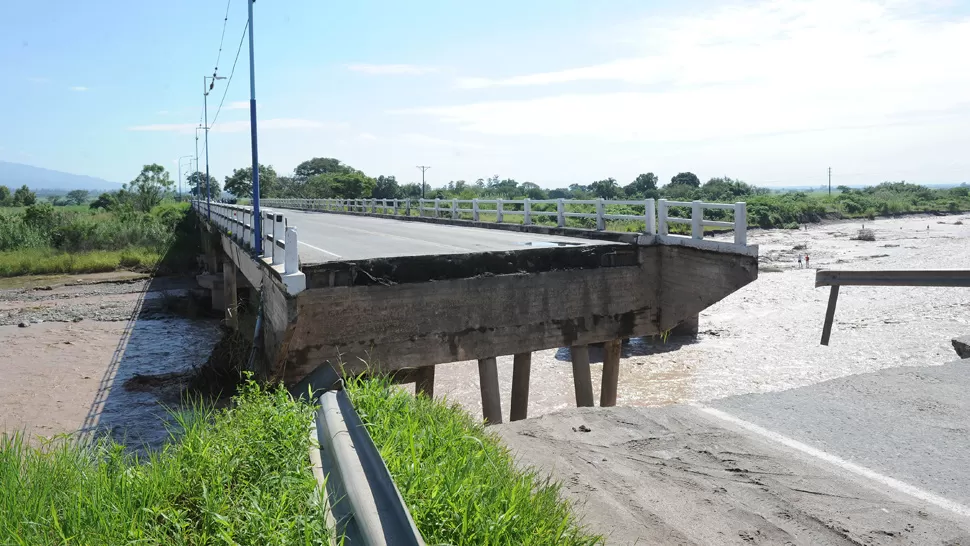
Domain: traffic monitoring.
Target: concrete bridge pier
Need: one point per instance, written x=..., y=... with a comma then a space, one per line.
x=521, y=372
x=491, y=395
x=230, y=296
x=582, y=379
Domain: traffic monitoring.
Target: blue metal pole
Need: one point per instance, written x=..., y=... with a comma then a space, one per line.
x=257, y=219
x=205, y=108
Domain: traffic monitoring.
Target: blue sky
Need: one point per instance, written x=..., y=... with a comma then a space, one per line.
x=551, y=91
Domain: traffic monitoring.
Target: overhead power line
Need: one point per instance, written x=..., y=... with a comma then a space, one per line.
x=231, y=72
x=223, y=38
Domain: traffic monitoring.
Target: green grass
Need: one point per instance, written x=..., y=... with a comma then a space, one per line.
x=47, y=261
x=460, y=484
x=236, y=476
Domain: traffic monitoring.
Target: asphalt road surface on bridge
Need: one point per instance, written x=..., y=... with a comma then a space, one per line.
x=327, y=237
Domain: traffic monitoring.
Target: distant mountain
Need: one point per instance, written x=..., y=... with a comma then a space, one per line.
x=14, y=175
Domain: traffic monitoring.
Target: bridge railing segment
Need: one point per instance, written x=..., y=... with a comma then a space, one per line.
x=280, y=243
x=655, y=219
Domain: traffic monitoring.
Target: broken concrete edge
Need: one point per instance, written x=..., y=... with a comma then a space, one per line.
x=440, y=267
x=962, y=346
x=700, y=244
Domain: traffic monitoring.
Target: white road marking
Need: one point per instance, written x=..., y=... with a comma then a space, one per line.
x=859, y=470
x=320, y=249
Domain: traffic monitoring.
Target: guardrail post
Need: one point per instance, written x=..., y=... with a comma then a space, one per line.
x=561, y=213
x=244, y=231
x=394, y=202
x=407, y=207
x=475, y=209
x=696, y=220
x=454, y=209
x=527, y=219
x=278, y=233
x=740, y=224
x=292, y=252
x=651, y=226
x=421, y=206
x=600, y=219
x=373, y=206
x=662, y=217
x=499, y=216
x=437, y=207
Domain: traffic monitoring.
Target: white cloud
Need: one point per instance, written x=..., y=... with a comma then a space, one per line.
x=391, y=69
x=78, y=88
x=241, y=126
x=425, y=140
x=773, y=67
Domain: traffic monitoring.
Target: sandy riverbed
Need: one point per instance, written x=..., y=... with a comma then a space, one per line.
x=765, y=337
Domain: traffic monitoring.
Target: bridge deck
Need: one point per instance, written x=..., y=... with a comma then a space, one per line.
x=326, y=237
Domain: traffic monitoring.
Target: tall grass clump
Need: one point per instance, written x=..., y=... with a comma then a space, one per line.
x=42, y=239
x=460, y=484
x=234, y=476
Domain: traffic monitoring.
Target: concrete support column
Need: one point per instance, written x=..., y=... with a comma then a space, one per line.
x=582, y=380
x=424, y=381
x=491, y=397
x=611, y=372
x=229, y=295
x=687, y=327
x=521, y=370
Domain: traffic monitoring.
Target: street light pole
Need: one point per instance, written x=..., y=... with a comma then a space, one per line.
x=206, y=87
x=180, y=174
x=257, y=219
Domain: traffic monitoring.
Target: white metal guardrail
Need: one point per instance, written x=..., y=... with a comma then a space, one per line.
x=361, y=496
x=656, y=217
x=280, y=244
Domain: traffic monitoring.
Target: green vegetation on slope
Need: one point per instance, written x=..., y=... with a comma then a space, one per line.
x=459, y=483
x=41, y=239
x=242, y=475
x=236, y=476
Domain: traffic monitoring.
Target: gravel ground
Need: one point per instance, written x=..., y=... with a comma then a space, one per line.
x=765, y=337
x=101, y=301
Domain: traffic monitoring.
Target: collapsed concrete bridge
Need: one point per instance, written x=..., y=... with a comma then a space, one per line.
x=371, y=287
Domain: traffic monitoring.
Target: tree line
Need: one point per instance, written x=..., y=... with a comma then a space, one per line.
x=322, y=177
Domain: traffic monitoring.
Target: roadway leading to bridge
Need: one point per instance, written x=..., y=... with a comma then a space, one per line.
x=327, y=237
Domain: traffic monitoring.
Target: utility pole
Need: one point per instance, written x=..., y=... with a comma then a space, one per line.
x=258, y=222
x=423, y=168
x=180, y=174
x=830, y=181
x=206, y=87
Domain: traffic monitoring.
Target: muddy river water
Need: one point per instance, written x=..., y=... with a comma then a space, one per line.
x=65, y=370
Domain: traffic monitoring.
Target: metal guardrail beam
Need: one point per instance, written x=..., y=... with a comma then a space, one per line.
x=926, y=277
x=362, y=498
